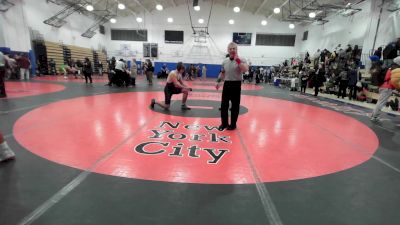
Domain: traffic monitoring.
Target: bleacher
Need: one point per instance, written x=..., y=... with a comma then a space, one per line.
x=54, y=51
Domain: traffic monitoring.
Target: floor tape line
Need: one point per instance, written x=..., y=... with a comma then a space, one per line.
x=269, y=207
x=34, y=215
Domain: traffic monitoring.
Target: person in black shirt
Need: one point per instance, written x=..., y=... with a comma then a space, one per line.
x=87, y=70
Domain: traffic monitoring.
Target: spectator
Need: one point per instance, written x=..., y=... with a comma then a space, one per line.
x=133, y=73
x=2, y=75
x=343, y=82
x=204, y=72
x=52, y=65
x=100, y=66
x=353, y=78
x=319, y=79
x=385, y=90
x=378, y=53
x=87, y=70
x=149, y=71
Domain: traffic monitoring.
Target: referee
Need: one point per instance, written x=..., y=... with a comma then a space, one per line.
x=231, y=73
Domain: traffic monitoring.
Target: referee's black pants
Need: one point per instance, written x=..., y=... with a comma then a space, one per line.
x=230, y=92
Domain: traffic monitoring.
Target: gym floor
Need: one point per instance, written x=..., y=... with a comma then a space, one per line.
x=93, y=154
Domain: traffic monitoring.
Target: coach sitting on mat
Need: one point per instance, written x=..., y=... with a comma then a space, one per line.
x=231, y=72
x=174, y=85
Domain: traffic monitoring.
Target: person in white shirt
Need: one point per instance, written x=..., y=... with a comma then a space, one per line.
x=231, y=73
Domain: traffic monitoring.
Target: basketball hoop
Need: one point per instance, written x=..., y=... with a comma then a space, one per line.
x=200, y=34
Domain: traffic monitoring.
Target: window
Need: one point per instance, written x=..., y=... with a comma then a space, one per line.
x=174, y=37
x=275, y=39
x=305, y=35
x=128, y=35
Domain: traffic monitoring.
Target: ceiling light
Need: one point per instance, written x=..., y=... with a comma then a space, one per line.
x=159, y=7
x=231, y=22
x=201, y=21
x=312, y=14
x=263, y=22
x=291, y=26
x=113, y=20
x=89, y=8
x=236, y=9
x=277, y=10
x=121, y=6
x=197, y=8
x=170, y=20
x=139, y=19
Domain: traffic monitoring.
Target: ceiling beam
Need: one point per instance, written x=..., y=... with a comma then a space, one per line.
x=260, y=7
x=297, y=11
x=142, y=6
x=244, y=4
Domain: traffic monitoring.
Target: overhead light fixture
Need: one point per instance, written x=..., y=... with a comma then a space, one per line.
x=121, y=6
x=201, y=21
x=263, y=22
x=139, y=19
x=113, y=20
x=231, y=22
x=236, y=9
x=277, y=10
x=196, y=8
x=159, y=7
x=312, y=14
x=89, y=8
x=291, y=26
x=170, y=20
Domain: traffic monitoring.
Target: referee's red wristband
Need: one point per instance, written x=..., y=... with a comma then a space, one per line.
x=238, y=61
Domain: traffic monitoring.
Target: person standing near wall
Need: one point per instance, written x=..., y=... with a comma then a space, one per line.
x=5, y=151
x=319, y=78
x=353, y=79
x=204, y=72
x=231, y=73
x=343, y=82
x=2, y=75
x=385, y=90
x=87, y=70
x=133, y=73
x=24, y=65
x=111, y=71
x=149, y=71
x=100, y=66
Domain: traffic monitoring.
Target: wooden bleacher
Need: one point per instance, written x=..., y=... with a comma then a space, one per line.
x=54, y=51
x=103, y=59
x=80, y=53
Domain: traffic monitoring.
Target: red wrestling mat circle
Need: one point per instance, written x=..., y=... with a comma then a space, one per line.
x=23, y=89
x=119, y=135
